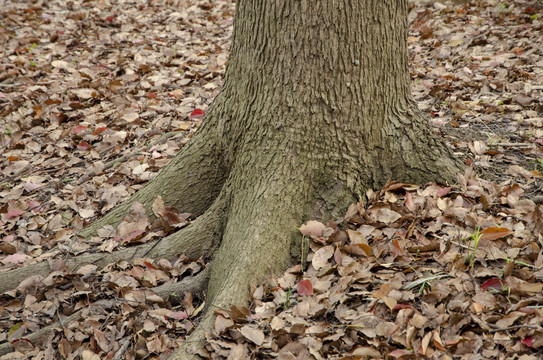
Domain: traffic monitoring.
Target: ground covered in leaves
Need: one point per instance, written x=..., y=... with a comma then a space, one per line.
x=96, y=97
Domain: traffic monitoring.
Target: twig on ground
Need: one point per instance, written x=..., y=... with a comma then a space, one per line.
x=514, y=327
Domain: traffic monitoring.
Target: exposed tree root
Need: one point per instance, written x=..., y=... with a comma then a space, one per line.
x=196, y=240
x=259, y=232
x=190, y=183
x=191, y=284
x=192, y=346
x=35, y=337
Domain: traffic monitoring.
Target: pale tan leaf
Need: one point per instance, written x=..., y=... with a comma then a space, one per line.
x=321, y=257
x=366, y=351
x=252, y=334
x=312, y=227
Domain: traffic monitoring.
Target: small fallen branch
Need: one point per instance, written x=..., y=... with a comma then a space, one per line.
x=514, y=327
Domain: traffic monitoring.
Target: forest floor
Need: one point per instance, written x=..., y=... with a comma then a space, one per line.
x=97, y=96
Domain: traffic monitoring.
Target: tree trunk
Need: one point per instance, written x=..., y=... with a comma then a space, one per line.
x=316, y=108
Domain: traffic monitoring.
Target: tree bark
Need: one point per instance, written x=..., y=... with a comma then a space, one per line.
x=316, y=108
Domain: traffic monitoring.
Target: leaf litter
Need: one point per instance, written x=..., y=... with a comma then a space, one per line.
x=410, y=271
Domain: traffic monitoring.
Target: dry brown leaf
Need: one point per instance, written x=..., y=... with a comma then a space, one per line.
x=252, y=334
x=321, y=257
x=493, y=233
x=222, y=324
x=425, y=343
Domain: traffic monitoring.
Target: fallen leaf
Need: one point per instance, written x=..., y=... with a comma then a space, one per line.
x=14, y=259
x=493, y=233
x=400, y=352
x=437, y=341
x=424, y=344
x=79, y=128
x=197, y=114
x=254, y=335
x=312, y=227
x=83, y=146
x=321, y=256
x=222, y=323
x=12, y=214
x=443, y=191
x=496, y=284
x=178, y=315
x=304, y=288
x=528, y=341
x=366, y=351
x=522, y=287
x=16, y=331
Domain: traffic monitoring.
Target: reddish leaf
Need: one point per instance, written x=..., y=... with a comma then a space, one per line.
x=444, y=191
x=151, y=95
x=396, y=247
x=402, y=306
x=399, y=353
x=99, y=130
x=178, y=315
x=409, y=203
x=134, y=235
x=83, y=146
x=8, y=238
x=137, y=272
x=495, y=283
x=493, y=233
x=528, y=341
x=197, y=114
x=79, y=128
x=148, y=265
x=34, y=205
x=12, y=214
x=304, y=287
x=110, y=18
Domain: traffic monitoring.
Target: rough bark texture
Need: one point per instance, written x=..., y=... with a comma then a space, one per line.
x=316, y=108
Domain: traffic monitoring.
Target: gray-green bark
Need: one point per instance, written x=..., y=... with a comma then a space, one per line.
x=316, y=108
